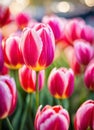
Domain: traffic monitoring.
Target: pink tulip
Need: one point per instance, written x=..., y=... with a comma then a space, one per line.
x=38, y=46
x=52, y=118
x=61, y=83
x=8, y=96
x=27, y=78
x=57, y=25
x=84, y=119
x=22, y=20
x=12, y=55
x=4, y=15
x=89, y=76
x=84, y=51
x=87, y=33
x=73, y=29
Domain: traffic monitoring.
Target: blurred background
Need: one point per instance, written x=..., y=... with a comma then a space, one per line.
x=63, y=8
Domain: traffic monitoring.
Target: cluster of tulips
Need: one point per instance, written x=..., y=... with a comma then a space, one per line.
x=52, y=59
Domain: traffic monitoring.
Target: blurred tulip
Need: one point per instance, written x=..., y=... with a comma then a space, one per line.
x=57, y=25
x=87, y=33
x=71, y=59
x=73, y=28
x=27, y=78
x=4, y=15
x=89, y=76
x=61, y=83
x=52, y=118
x=38, y=46
x=1, y=55
x=22, y=20
x=84, y=51
x=8, y=96
x=84, y=119
x=12, y=55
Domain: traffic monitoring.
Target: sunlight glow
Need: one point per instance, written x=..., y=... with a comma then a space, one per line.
x=63, y=6
x=89, y=3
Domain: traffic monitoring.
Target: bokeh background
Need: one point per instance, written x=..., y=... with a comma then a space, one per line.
x=63, y=8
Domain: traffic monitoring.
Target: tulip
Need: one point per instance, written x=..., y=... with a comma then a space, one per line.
x=89, y=76
x=61, y=82
x=57, y=25
x=84, y=119
x=8, y=96
x=52, y=118
x=4, y=15
x=1, y=55
x=12, y=55
x=87, y=33
x=73, y=28
x=22, y=20
x=83, y=51
x=38, y=46
x=27, y=78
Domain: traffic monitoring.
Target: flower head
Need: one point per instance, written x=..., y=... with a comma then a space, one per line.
x=84, y=51
x=27, y=78
x=52, y=118
x=8, y=96
x=61, y=82
x=84, y=118
x=12, y=54
x=38, y=46
x=89, y=76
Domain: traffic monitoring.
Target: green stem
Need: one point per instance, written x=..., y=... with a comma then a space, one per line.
x=37, y=91
x=28, y=101
x=9, y=124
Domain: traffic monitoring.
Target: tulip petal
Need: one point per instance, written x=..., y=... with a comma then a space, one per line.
x=31, y=47
x=5, y=101
x=48, y=49
x=69, y=83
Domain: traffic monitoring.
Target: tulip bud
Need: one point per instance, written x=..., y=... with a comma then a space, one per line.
x=27, y=78
x=61, y=83
x=22, y=20
x=38, y=46
x=84, y=119
x=52, y=118
x=73, y=28
x=8, y=96
x=84, y=51
x=57, y=25
x=4, y=15
x=12, y=55
x=89, y=76
x=87, y=33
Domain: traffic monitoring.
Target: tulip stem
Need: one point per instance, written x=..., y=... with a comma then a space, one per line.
x=37, y=91
x=9, y=124
x=28, y=102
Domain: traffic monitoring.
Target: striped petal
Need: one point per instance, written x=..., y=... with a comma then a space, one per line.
x=31, y=47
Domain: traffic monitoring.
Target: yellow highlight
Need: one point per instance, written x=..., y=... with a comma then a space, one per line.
x=13, y=67
x=60, y=97
x=29, y=90
x=37, y=68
